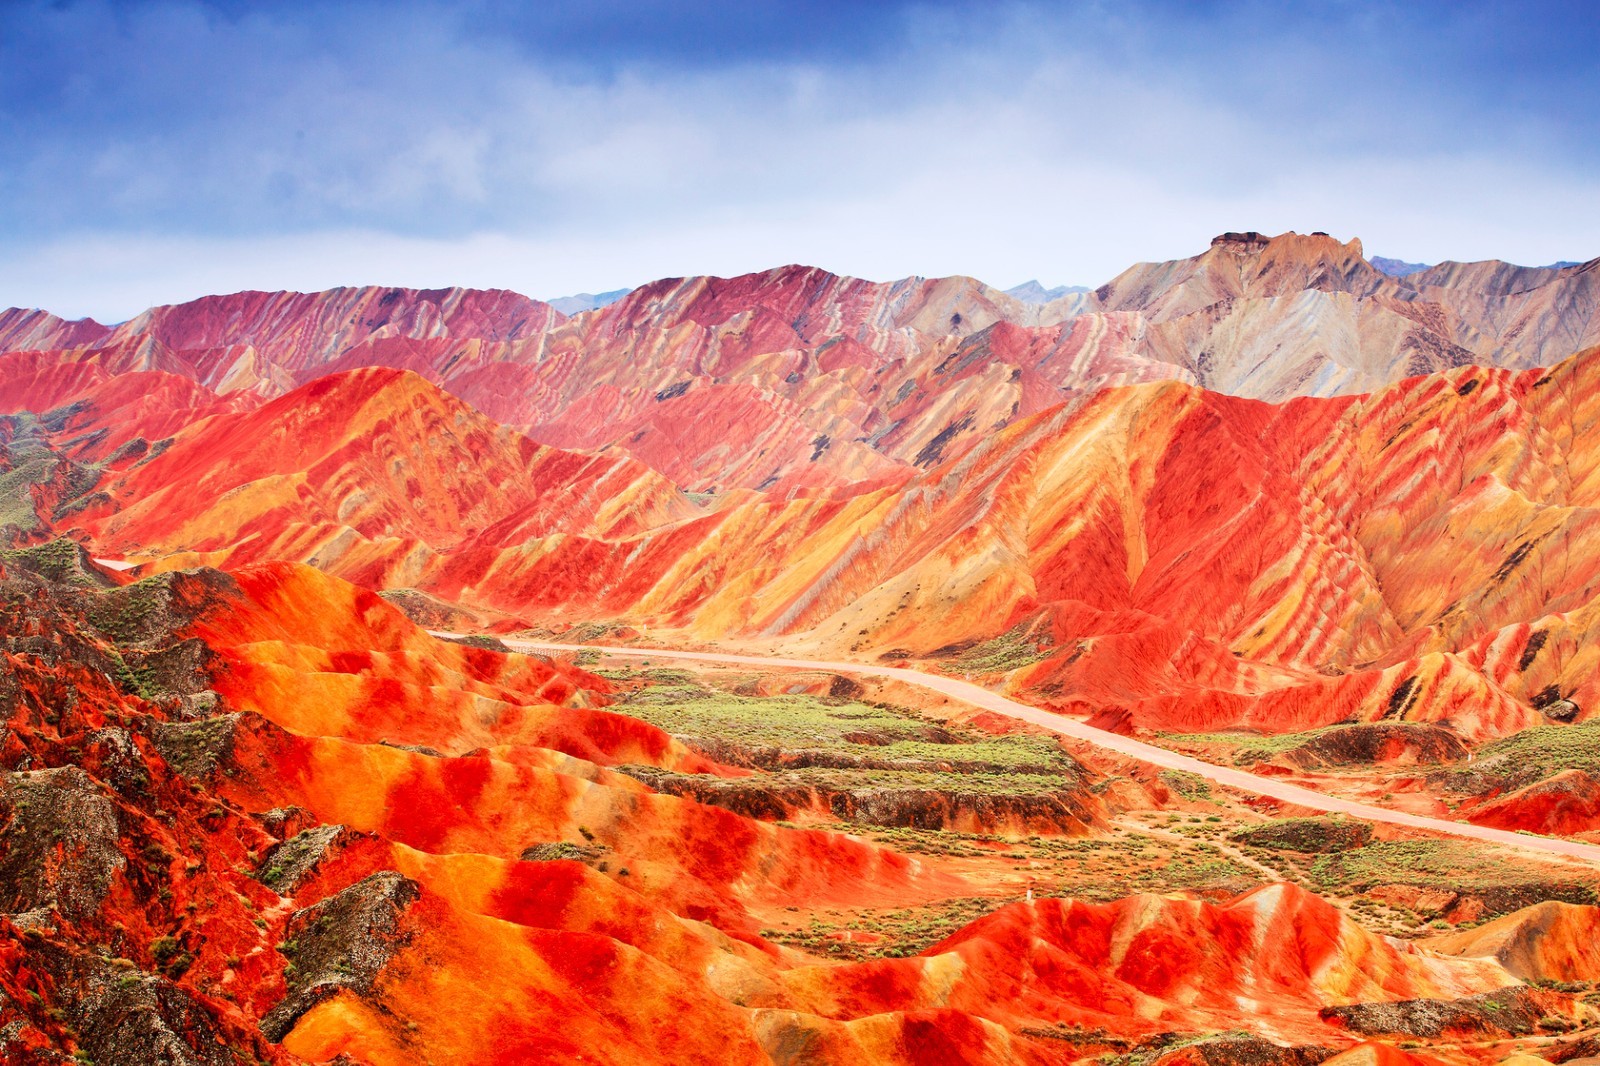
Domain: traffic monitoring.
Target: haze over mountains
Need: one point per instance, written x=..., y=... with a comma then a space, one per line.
x=1032, y=292
x=586, y=301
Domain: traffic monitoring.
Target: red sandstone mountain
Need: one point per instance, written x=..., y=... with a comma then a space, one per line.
x=303, y=829
x=372, y=472
x=796, y=377
x=1548, y=942
x=1312, y=526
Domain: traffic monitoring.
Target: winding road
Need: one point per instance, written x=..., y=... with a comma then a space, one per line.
x=1067, y=727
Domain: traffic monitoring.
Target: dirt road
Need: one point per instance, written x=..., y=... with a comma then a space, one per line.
x=1222, y=775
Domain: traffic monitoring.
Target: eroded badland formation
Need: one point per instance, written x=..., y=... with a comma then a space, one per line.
x=1269, y=507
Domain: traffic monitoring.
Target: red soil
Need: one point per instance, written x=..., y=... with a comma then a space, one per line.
x=1565, y=804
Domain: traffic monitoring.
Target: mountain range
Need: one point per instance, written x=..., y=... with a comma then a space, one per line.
x=1274, y=505
x=879, y=378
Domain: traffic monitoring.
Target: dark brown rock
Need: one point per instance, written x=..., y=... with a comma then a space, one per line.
x=1242, y=1049
x=58, y=843
x=1505, y=1012
x=285, y=866
x=1378, y=742
x=122, y=1014
x=195, y=749
x=341, y=943
x=1308, y=835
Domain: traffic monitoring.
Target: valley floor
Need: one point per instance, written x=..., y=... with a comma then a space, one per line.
x=1230, y=777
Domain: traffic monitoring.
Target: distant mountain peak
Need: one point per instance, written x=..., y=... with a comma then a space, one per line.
x=1397, y=268
x=1031, y=292
x=1246, y=237
x=586, y=301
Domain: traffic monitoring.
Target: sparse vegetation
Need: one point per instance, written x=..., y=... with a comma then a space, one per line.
x=856, y=762
x=1248, y=748
x=57, y=560
x=892, y=933
x=1322, y=835
x=1022, y=645
x=126, y=613
x=1534, y=754
x=1189, y=786
x=1457, y=864
x=715, y=720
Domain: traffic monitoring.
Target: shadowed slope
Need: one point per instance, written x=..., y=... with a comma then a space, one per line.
x=1547, y=942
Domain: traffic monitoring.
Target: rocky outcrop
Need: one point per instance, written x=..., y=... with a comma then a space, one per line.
x=1506, y=1012
x=58, y=844
x=63, y=562
x=1310, y=835
x=290, y=862
x=196, y=749
x=1366, y=743
x=1242, y=1049
x=147, y=612
x=340, y=944
x=121, y=1014
x=181, y=668
x=949, y=804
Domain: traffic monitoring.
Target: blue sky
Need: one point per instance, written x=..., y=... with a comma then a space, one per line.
x=156, y=150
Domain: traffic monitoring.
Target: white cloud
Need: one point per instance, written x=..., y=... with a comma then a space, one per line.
x=1021, y=148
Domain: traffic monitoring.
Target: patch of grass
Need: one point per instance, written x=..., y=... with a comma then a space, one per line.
x=16, y=502
x=124, y=613
x=1401, y=861
x=1247, y=747
x=582, y=633
x=1189, y=786
x=668, y=675
x=1537, y=753
x=1307, y=835
x=481, y=642
x=139, y=680
x=1506, y=883
x=1099, y=869
x=1012, y=650
x=854, y=763
x=801, y=723
x=1156, y=1047
x=904, y=931
x=57, y=560
x=827, y=780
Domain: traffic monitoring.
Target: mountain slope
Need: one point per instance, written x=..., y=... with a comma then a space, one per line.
x=892, y=376
x=370, y=473
x=1073, y=541
x=254, y=873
